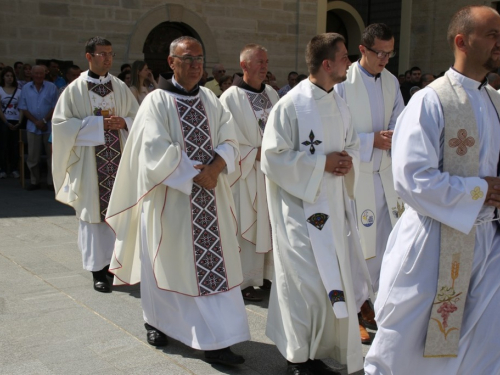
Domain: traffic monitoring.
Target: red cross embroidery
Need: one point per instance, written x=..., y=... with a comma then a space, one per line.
x=462, y=142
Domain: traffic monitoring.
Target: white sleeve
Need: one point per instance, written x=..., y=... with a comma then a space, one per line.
x=229, y=154
x=182, y=178
x=92, y=132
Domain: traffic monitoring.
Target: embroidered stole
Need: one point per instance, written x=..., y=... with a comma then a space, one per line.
x=108, y=155
x=461, y=158
x=319, y=228
x=261, y=106
x=359, y=101
x=208, y=255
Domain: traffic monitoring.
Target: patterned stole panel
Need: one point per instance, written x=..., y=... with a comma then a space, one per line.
x=261, y=105
x=210, y=267
x=108, y=155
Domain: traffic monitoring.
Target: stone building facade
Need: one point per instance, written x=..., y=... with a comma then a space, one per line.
x=33, y=30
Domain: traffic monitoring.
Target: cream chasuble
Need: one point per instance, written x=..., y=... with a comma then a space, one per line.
x=191, y=239
x=301, y=320
x=359, y=103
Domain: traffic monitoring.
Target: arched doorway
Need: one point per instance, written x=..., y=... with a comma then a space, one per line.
x=157, y=43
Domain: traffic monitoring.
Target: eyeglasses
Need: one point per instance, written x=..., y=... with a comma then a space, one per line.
x=381, y=54
x=104, y=54
x=190, y=59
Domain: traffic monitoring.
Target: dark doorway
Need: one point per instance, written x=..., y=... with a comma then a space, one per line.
x=156, y=46
x=335, y=24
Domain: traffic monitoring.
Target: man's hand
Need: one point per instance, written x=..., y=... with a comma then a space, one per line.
x=114, y=123
x=207, y=178
x=338, y=163
x=39, y=124
x=383, y=139
x=493, y=193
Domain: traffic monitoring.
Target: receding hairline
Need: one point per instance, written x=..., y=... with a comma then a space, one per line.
x=183, y=40
x=38, y=66
x=250, y=48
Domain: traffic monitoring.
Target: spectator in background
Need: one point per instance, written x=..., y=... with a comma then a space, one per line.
x=218, y=71
x=401, y=79
x=126, y=76
x=18, y=66
x=301, y=77
x=25, y=76
x=55, y=74
x=426, y=79
x=415, y=76
x=2, y=65
x=38, y=99
x=493, y=80
x=272, y=81
x=203, y=79
x=407, y=76
x=72, y=73
x=125, y=68
x=225, y=83
x=10, y=118
x=142, y=79
x=292, y=81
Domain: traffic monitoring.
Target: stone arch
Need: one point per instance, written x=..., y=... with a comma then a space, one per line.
x=353, y=23
x=172, y=13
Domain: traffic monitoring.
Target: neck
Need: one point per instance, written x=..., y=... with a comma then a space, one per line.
x=325, y=82
x=38, y=84
x=187, y=86
x=365, y=66
x=100, y=73
x=477, y=73
x=253, y=83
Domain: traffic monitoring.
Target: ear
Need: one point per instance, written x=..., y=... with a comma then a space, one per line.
x=170, y=61
x=461, y=42
x=243, y=65
x=88, y=56
x=362, y=49
x=326, y=65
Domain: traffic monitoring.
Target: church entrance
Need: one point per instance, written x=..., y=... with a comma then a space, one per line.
x=156, y=46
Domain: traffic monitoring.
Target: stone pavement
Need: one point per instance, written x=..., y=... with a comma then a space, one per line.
x=53, y=322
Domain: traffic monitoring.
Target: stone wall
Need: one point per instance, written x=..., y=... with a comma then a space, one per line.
x=44, y=29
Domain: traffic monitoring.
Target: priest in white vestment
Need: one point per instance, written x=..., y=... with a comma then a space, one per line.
x=174, y=214
x=438, y=200
x=90, y=127
x=250, y=102
x=375, y=102
x=310, y=153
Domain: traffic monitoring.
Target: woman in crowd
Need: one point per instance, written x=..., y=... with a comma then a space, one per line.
x=143, y=81
x=10, y=118
x=225, y=82
x=24, y=76
x=126, y=76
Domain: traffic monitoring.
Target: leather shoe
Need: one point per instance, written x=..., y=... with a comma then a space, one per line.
x=155, y=337
x=365, y=336
x=368, y=316
x=33, y=187
x=320, y=368
x=298, y=369
x=102, y=286
x=224, y=357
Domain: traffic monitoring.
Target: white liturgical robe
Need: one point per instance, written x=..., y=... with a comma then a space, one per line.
x=409, y=274
x=301, y=320
x=250, y=109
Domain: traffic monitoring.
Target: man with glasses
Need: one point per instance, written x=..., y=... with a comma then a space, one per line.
x=90, y=125
x=218, y=72
x=174, y=214
x=375, y=101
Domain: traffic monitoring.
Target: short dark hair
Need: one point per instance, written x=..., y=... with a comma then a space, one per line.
x=95, y=41
x=414, y=69
x=289, y=74
x=125, y=66
x=376, y=31
x=322, y=47
x=17, y=63
x=3, y=72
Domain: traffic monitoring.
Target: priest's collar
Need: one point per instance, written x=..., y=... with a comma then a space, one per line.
x=96, y=76
x=243, y=85
x=173, y=86
x=467, y=82
x=376, y=76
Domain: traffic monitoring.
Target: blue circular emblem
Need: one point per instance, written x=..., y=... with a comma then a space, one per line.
x=367, y=218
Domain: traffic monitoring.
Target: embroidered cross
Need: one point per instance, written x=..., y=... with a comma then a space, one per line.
x=312, y=142
x=476, y=193
x=462, y=142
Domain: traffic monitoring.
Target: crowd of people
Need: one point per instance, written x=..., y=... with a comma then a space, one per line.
x=352, y=205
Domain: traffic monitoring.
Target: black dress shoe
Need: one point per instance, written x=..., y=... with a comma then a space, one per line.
x=298, y=369
x=155, y=337
x=224, y=357
x=320, y=368
x=33, y=187
x=102, y=286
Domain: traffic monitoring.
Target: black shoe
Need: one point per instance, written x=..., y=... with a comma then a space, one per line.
x=33, y=187
x=298, y=369
x=266, y=285
x=155, y=337
x=320, y=368
x=102, y=286
x=224, y=357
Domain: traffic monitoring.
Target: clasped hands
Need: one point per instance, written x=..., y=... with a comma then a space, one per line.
x=338, y=163
x=383, y=139
x=114, y=123
x=209, y=173
x=493, y=193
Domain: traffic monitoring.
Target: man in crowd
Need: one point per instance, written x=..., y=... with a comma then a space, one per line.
x=18, y=66
x=90, y=127
x=292, y=81
x=493, y=80
x=250, y=103
x=375, y=101
x=218, y=72
x=439, y=292
x=310, y=153
x=173, y=214
x=72, y=73
x=427, y=79
x=54, y=74
x=38, y=99
x=415, y=75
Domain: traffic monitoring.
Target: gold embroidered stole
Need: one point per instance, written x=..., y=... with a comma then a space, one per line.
x=460, y=158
